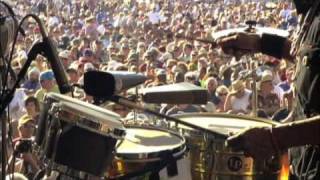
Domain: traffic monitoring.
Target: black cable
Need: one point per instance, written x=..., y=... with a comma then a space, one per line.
x=13, y=46
x=19, y=29
x=42, y=31
x=10, y=138
x=12, y=91
x=3, y=58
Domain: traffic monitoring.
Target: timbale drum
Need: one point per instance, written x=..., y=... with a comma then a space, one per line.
x=211, y=159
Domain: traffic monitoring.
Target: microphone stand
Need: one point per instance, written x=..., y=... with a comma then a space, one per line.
x=8, y=98
x=124, y=102
x=254, y=90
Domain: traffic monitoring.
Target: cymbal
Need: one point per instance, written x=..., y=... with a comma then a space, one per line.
x=256, y=30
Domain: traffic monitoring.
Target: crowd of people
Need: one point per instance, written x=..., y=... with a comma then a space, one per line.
x=156, y=38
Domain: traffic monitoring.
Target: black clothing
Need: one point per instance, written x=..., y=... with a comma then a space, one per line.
x=306, y=160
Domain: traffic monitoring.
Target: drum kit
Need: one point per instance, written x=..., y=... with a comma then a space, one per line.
x=81, y=141
x=84, y=141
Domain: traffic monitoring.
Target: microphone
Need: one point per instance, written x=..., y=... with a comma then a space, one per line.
x=110, y=83
x=99, y=84
x=56, y=65
x=127, y=79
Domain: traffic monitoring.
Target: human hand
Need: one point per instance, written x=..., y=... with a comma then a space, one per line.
x=240, y=43
x=255, y=142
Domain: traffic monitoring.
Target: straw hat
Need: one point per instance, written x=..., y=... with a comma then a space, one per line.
x=237, y=86
x=89, y=19
x=266, y=76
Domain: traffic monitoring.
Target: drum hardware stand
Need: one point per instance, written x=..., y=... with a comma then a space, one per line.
x=254, y=89
x=135, y=113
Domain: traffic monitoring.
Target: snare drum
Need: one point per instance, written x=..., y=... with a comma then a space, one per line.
x=78, y=136
x=145, y=150
x=211, y=159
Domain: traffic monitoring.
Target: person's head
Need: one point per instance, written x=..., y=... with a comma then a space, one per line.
x=32, y=105
x=113, y=48
x=125, y=49
x=202, y=63
x=178, y=77
x=238, y=88
x=47, y=80
x=170, y=64
x=26, y=126
x=183, y=67
x=265, y=84
x=141, y=47
x=190, y=77
x=161, y=76
x=211, y=84
x=187, y=49
x=73, y=75
x=222, y=92
x=40, y=61
x=33, y=75
x=65, y=58
x=88, y=54
x=97, y=45
x=90, y=20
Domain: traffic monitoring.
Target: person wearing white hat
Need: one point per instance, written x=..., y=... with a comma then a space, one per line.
x=238, y=100
x=268, y=101
x=65, y=58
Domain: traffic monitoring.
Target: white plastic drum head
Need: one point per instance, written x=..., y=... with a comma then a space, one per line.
x=224, y=124
x=147, y=140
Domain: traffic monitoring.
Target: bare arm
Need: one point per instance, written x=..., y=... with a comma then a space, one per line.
x=268, y=44
x=227, y=104
x=263, y=142
x=298, y=133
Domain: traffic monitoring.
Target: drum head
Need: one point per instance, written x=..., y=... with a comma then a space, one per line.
x=149, y=144
x=224, y=124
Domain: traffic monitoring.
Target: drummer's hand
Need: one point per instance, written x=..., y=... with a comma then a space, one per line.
x=240, y=43
x=255, y=142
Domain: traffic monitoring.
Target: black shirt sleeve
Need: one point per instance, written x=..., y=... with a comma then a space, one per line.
x=303, y=6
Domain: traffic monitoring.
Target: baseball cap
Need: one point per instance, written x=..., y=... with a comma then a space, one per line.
x=46, y=75
x=64, y=54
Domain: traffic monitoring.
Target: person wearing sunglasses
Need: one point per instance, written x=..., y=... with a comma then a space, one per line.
x=221, y=92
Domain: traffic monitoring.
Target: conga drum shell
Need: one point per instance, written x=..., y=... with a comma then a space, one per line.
x=79, y=136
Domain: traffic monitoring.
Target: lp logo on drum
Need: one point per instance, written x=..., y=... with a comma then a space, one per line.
x=234, y=163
